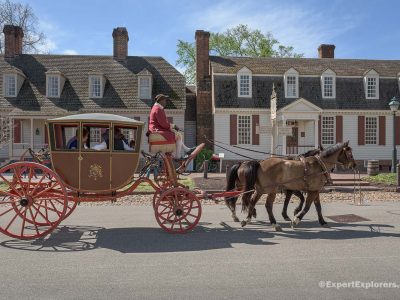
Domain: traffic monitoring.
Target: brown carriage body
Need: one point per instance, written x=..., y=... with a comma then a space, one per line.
x=89, y=170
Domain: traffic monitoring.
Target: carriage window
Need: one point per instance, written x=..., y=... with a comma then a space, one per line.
x=96, y=137
x=65, y=136
x=125, y=138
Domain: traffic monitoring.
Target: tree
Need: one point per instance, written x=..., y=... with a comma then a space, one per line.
x=236, y=41
x=22, y=15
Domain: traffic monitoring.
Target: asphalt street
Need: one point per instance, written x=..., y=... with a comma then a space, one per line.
x=119, y=252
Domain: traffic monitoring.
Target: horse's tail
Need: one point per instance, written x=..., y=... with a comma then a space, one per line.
x=250, y=173
x=231, y=179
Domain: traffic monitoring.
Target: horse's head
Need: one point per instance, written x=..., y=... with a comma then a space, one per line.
x=346, y=157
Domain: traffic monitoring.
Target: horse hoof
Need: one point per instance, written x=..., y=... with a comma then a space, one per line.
x=277, y=227
x=254, y=213
x=295, y=221
x=325, y=225
x=244, y=223
x=236, y=219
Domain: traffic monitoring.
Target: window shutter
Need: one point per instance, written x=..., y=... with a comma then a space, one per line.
x=17, y=131
x=233, y=129
x=397, y=124
x=319, y=130
x=339, y=129
x=382, y=130
x=255, y=137
x=361, y=130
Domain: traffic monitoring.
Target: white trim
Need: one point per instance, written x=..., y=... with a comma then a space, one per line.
x=292, y=73
x=5, y=87
x=304, y=75
x=328, y=73
x=300, y=100
x=244, y=72
x=47, y=85
x=373, y=75
x=242, y=110
x=148, y=97
x=90, y=86
x=251, y=128
x=334, y=129
x=376, y=133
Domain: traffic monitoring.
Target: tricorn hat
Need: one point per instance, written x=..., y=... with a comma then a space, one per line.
x=160, y=97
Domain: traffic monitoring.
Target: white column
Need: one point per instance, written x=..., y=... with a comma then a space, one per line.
x=284, y=145
x=32, y=133
x=316, y=133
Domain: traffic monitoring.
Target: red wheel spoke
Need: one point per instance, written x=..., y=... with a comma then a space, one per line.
x=173, y=223
x=19, y=179
x=30, y=177
x=9, y=202
x=49, y=208
x=43, y=216
x=13, y=219
x=23, y=222
x=34, y=220
x=11, y=185
x=7, y=194
x=38, y=184
x=3, y=213
x=45, y=190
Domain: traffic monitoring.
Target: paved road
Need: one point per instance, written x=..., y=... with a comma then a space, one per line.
x=118, y=252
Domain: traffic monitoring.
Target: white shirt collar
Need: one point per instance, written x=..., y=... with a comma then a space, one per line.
x=158, y=104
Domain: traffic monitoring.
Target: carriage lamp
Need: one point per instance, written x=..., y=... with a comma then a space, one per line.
x=394, y=106
x=37, y=132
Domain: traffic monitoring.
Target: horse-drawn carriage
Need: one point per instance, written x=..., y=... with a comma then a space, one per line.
x=101, y=166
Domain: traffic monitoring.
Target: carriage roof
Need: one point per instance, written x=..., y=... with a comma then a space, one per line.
x=97, y=117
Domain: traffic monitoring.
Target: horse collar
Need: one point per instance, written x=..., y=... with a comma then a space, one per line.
x=325, y=170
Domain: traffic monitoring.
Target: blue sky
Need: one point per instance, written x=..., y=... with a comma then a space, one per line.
x=359, y=29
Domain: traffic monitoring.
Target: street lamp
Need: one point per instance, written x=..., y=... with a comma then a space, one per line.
x=394, y=106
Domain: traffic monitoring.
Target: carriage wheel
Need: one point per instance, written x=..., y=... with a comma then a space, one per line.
x=177, y=210
x=155, y=199
x=31, y=204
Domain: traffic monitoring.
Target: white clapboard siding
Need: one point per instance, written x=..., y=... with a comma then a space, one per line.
x=190, y=133
x=222, y=133
x=367, y=152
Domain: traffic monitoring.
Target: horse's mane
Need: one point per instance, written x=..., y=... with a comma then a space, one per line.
x=332, y=149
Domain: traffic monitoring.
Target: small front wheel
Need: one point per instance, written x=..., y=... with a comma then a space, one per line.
x=177, y=210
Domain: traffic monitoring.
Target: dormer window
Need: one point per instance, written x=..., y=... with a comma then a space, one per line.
x=328, y=84
x=244, y=79
x=145, y=87
x=291, y=78
x=371, y=83
x=95, y=87
x=10, y=85
x=54, y=84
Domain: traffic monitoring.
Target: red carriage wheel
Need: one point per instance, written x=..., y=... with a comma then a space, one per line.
x=155, y=198
x=33, y=200
x=177, y=210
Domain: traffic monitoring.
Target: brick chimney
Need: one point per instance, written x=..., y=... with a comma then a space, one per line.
x=326, y=51
x=203, y=86
x=121, y=38
x=13, y=36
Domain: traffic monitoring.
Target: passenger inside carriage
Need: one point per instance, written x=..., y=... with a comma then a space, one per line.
x=73, y=142
x=120, y=142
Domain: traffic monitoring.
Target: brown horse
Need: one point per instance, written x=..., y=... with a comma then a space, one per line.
x=232, y=184
x=273, y=174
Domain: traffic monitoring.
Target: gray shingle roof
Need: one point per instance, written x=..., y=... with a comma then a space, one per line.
x=305, y=66
x=121, y=88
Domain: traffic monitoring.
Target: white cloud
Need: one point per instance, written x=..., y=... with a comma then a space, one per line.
x=70, y=52
x=291, y=24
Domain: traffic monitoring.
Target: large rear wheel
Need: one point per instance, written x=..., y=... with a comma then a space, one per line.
x=177, y=210
x=33, y=200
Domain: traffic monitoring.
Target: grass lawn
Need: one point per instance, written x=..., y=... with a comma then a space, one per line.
x=384, y=178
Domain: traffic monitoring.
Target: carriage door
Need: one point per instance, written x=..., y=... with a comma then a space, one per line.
x=292, y=142
x=95, y=158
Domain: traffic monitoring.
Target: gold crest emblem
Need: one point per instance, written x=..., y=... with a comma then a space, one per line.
x=95, y=172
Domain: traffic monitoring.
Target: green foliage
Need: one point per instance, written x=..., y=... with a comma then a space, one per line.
x=204, y=154
x=237, y=41
x=383, y=178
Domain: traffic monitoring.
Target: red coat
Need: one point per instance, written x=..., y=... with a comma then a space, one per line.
x=158, y=122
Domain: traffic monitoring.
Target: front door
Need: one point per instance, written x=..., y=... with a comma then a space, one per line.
x=292, y=142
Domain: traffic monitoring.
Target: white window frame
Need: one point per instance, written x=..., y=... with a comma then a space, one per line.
x=326, y=74
x=150, y=86
x=6, y=91
x=376, y=131
x=375, y=75
x=91, y=78
x=58, y=87
x=291, y=73
x=322, y=130
x=250, y=132
x=95, y=135
x=244, y=72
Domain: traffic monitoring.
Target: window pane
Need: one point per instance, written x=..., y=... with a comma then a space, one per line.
x=371, y=128
x=328, y=86
x=95, y=86
x=125, y=138
x=244, y=85
x=145, y=92
x=52, y=86
x=328, y=130
x=371, y=87
x=244, y=130
x=291, y=86
x=10, y=86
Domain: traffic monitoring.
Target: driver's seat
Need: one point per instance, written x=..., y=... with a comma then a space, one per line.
x=158, y=143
